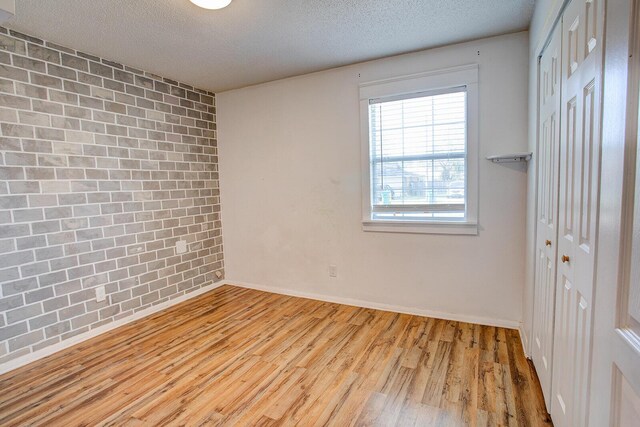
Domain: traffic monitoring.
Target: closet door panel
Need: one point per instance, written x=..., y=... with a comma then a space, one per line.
x=579, y=177
x=547, y=212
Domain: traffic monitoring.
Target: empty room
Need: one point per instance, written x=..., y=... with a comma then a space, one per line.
x=320, y=213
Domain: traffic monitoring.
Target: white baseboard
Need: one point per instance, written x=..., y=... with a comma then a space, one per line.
x=524, y=340
x=510, y=324
x=47, y=351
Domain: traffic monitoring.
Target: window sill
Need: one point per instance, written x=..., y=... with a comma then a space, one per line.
x=421, y=227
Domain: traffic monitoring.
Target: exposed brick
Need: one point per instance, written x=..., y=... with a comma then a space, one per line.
x=29, y=64
x=16, y=230
x=11, y=302
x=12, y=44
x=31, y=242
x=72, y=311
x=13, y=73
x=22, y=187
x=84, y=320
x=19, y=286
x=8, y=173
x=73, y=61
x=39, y=295
x=53, y=278
x=23, y=313
x=12, y=331
x=46, y=107
x=100, y=70
x=11, y=101
x=46, y=80
x=43, y=53
x=65, y=73
x=56, y=303
x=57, y=329
x=7, y=245
x=25, y=340
x=42, y=321
x=103, y=168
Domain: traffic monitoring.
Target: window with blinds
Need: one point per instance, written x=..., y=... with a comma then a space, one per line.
x=418, y=155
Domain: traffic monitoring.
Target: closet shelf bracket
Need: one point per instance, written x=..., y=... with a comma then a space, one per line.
x=510, y=158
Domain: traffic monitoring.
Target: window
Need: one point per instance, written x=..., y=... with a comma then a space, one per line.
x=417, y=152
x=420, y=153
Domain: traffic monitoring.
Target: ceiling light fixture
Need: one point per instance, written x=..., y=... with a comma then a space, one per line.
x=211, y=4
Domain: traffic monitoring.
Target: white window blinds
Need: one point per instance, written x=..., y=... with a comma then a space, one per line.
x=418, y=155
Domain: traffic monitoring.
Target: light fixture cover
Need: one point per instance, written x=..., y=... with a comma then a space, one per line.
x=211, y=4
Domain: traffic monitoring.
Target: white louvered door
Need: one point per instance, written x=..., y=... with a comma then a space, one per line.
x=547, y=210
x=582, y=27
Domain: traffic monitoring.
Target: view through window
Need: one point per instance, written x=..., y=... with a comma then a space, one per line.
x=418, y=155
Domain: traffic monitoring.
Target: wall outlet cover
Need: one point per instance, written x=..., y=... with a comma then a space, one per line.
x=100, y=294
x=181, y=246
x=333, y=271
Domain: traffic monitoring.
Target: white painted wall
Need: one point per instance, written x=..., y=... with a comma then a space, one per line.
x=544, y=16
x=290, y=180
x=7, y=10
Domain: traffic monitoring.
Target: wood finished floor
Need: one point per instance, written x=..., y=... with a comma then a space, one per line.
x=239, y=357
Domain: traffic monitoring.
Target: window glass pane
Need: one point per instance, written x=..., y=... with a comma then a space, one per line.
x=418, y=156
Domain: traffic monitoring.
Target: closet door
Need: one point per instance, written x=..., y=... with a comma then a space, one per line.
x=616, y=358
x=547, y=211
x=582, y=27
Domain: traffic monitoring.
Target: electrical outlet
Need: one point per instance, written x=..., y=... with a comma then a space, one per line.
x=100, y=294
x=181, y=246
x=333, y=271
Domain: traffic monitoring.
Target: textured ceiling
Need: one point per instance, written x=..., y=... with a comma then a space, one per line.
x=254, y=41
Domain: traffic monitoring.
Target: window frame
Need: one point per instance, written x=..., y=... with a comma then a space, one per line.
x=431, y=81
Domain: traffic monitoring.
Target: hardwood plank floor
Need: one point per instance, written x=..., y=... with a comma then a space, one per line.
x=239, y=357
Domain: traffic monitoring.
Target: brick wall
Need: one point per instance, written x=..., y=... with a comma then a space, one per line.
x=103, y=168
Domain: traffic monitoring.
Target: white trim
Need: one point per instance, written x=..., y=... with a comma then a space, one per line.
x=47, y=351
x=465, y=75
x=430, y=80
x=524, y=340
x=62, y=345
x=422, y=227
x=502, y=323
